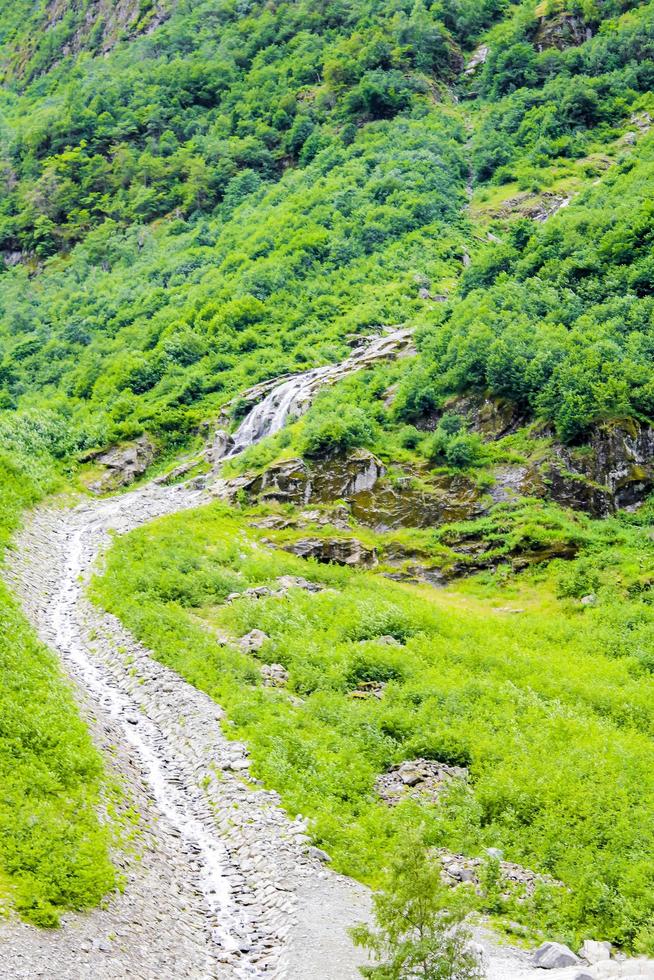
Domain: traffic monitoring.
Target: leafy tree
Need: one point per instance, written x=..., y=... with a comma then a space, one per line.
x=419, y=929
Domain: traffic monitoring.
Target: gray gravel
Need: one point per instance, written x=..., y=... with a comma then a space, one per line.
x=220, y=874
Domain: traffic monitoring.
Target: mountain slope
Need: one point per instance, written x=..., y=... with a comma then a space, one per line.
x=200, y=196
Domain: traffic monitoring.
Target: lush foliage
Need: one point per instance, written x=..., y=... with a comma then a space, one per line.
x=585, y=279
x=551, y=707
x=225, y=197
x=196, y=196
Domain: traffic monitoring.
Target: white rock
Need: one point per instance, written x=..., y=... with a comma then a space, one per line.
x=594, y=951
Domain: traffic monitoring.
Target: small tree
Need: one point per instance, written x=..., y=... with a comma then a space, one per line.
x=420, y=931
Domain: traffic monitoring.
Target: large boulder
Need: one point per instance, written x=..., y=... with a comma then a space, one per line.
x=594, y=951
x=554, y=956
x=123, y=465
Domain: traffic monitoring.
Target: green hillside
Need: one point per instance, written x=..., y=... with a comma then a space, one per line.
x=201, y=195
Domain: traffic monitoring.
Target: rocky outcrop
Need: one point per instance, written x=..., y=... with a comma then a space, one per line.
x=359, y=478
x=614, y=470
x=123, y=465
x=423, y=779
x=564, y=30
x=298, y=482
x=339, y=551
x=411, y=502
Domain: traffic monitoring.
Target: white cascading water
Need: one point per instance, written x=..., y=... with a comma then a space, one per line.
x=289, y=399
x=179, y=803
x=293, y=396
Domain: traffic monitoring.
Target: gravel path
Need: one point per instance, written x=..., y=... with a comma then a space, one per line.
x=224, y=884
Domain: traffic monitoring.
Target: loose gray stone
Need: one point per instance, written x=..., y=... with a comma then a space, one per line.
x=554, y=956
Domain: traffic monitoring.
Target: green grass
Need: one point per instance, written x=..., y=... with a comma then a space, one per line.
x=555, y=723
x=53, y=850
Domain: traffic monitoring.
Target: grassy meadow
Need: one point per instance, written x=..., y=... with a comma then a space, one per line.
x=540, y=696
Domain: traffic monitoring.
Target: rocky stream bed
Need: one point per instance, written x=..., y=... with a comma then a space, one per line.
x=221, y=883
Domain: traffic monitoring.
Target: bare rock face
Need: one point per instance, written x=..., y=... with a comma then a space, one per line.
x=123, y=465
x=418, y=778
x=374, y=500
x=565, y=30
x=615, y=470
x=339, y=551
x=111, y=18
x=298, y=482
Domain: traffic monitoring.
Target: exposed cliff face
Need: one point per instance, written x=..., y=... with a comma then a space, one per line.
x=615, y=470
x=564, y=30
x=96, y=26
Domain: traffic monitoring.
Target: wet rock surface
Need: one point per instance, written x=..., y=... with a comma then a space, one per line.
x=371, y=498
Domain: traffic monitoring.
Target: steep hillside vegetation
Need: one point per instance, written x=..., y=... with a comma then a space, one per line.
x=199, y=196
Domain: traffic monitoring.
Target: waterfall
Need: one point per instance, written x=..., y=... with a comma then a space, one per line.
x=293, y=395
x=287, y=400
